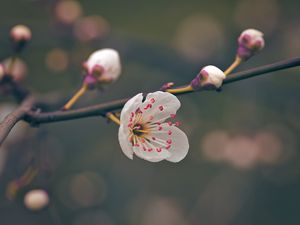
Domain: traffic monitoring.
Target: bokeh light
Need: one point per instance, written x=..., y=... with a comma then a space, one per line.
x=57, y=60
x=67, y=11
x=260, y=14
x=19, y=69
x=199, y=37
x=91, y=28
x=86, y=189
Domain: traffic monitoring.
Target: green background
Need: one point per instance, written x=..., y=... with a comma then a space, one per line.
x=89, y=179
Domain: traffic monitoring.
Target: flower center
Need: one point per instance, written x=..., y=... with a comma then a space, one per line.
x=138, y=130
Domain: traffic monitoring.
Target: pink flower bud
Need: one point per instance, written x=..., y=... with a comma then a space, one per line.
x=210, y=77
x=20, y=33
x=36, y=199
x=104, y=65
x=250, y=42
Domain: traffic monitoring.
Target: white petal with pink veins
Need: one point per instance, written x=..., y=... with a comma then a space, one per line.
x=144, y=133
x=173, y=140
x=130, y=107
x=159, y=106
x=180, y=145
x=151, y=153
x=126, y=146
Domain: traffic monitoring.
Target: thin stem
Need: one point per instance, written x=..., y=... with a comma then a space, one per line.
x=11, y=119
x=113, y=118
x=14, y=186
x=180, y=90
x=74, y=99
x=234, y=65
x=262, y=70
x=11, y=64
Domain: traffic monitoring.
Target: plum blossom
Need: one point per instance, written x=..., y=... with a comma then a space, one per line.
x=103, y=66
x=250, y=42
x=145, y=131
x=210, y=77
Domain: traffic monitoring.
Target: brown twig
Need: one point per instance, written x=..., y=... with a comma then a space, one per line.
x=11, y=119
x=14, y=88
x=102, y=109
x=26, y=113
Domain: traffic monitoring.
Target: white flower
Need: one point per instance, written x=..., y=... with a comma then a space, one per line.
x=104, y=64
x=145, y=132
x=210, y=77
x=250, y=42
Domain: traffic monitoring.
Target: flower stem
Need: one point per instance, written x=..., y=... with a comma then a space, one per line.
x=74, y=99
x=235, y=64
x=113, y=118
x=180, y=90
x=17, y=184
x=11, y=64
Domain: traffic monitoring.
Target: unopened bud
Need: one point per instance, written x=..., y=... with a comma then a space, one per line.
x=210, y=77
x=104, y=65
x=250, y=42
x=36, y=199
x=20, y=35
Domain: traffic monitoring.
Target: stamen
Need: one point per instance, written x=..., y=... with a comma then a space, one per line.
x=152, y=100
x=138, y=110
x=172, y=116
x=149, y=106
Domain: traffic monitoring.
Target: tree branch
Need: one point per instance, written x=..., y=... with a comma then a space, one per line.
x=102, y=109
x=11, y=119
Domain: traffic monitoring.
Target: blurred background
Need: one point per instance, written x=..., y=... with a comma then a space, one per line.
x=243, y=166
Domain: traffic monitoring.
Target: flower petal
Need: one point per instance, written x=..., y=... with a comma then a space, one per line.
x=180, y=145
x=159, y=106
x=125, y=144
x=175, y=140
x=148, y=151
x=130, y=106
